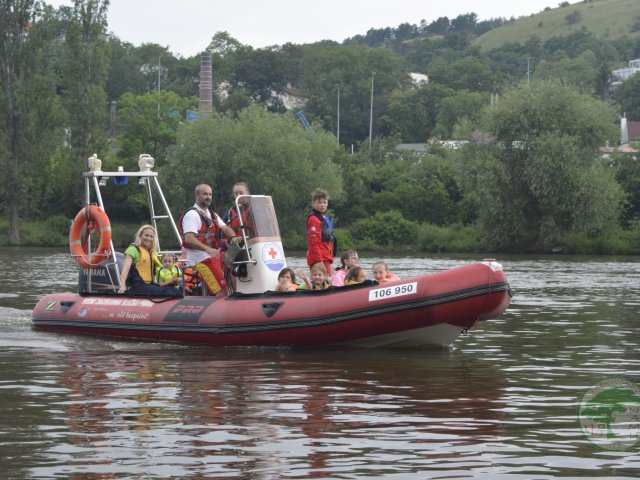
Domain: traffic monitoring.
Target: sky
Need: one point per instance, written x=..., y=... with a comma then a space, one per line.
x=187, y=26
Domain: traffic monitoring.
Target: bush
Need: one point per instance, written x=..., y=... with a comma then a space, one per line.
x=573, y=18
x=455, y=238
x=618, y=242
x=40, y=234
x=384, y=229
x=59, y=225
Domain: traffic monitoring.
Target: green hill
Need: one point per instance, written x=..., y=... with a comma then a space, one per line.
x=606, y=19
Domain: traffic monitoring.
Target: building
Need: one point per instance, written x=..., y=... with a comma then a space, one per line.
x=622, y=74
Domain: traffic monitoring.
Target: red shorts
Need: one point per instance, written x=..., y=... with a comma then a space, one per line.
x=212, y=274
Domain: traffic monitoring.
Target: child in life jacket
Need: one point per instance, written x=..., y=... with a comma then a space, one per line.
x=382, y=274
x=319, y=279
x=169, y=274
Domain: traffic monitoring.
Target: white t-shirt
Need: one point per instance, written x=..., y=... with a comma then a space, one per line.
x=191, y=222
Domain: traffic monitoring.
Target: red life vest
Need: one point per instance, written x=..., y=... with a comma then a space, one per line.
x=209, y=232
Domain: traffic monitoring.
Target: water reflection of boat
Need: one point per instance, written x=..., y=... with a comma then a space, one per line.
x=426, y=310
x=274, y=412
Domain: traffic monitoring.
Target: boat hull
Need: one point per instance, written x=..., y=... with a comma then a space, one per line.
x=427, y=310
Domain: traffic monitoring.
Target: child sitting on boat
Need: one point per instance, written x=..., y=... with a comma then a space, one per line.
x=319, y=279
x=355, y=275
x=287, y=281
x=349, y=259
x=169, y=274
x=382, y=274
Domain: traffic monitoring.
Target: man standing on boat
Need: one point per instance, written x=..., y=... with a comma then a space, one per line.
x=200, y=228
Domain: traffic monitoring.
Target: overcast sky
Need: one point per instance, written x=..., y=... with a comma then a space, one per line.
x=186, y=26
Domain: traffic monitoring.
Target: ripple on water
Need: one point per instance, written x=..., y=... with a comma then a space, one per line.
x=502, y=403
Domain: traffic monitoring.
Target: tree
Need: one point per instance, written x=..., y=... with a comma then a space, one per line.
x=468, y=73
x=124, y=72
x=455, y=108
x=628, y=97
x=149, y=123
x=223, y=43
x=350, y=68
x=270, y=151
x=412, y=113
x=28, y=107
x=541, y=175
x=580, y=72
x=84, y=73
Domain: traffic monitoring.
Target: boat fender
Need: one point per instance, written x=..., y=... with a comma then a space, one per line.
x=90, y=217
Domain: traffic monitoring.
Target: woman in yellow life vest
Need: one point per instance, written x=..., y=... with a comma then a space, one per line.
x=140, y=262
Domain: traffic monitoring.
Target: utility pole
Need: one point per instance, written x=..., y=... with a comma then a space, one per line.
x=338, y=126
x=528, y=69
x=159, y=66
x=371, y=113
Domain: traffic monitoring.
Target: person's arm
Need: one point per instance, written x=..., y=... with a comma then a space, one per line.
x=126, y=266
x=192, y=242
x=314, y=235
x=304, y=277
x=231, y=234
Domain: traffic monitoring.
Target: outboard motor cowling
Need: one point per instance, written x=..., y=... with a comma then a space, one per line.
x=104, y=278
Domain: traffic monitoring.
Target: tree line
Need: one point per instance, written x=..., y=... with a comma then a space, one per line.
x=530, y=179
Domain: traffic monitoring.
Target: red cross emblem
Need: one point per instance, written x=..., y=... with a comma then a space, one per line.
x=273, y=253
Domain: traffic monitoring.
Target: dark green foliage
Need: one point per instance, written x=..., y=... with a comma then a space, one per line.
x=271, y=152
x=541, y=176
x=453, y=238
x=628, y=96
x=385, y=229
x=552, y=191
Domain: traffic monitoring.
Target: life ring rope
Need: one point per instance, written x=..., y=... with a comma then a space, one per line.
x=88, y=218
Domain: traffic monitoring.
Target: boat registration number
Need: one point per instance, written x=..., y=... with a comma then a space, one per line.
x=395, y=291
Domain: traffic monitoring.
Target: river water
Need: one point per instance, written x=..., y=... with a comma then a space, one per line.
x=503, y=402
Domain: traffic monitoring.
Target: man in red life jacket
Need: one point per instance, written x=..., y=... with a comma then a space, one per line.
x=200, y=228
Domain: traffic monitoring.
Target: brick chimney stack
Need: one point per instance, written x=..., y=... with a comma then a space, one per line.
x=206, y=84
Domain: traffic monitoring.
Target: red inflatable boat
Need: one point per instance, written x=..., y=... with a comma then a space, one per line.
x=426, y=310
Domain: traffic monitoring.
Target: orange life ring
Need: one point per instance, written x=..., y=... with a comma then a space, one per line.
x=90, y=216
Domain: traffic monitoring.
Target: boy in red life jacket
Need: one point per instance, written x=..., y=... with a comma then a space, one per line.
x=322, y=243
x=200, y=228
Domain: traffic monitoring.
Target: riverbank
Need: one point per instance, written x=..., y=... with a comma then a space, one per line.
x=418, y=238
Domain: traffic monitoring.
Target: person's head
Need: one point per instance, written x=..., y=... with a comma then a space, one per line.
x=318, y=273
x=167, y=260
x=380, y=270
x=320, y=200
x=287, y=275
x=349, y=259
x=146, y=237
x=204, y=196
x=356, y=274
x=240, y=188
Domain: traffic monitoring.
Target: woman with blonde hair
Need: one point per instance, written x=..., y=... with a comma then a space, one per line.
x=140, y=262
